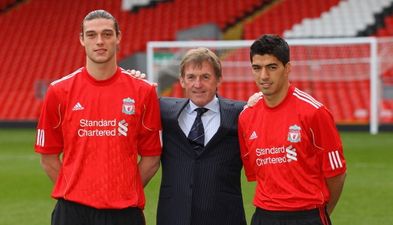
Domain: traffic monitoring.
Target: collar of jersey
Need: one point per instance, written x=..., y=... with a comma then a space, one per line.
x=91, y=79
x=286, y=99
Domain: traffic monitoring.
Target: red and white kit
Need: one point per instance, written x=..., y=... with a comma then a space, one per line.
x=100, y=127
x=290, y=150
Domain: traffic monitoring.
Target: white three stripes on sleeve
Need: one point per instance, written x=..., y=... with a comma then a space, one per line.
x=40, y=137
x=335, y=160
x=307, y=98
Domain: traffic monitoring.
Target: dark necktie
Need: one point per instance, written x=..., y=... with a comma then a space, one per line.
x=197, y=132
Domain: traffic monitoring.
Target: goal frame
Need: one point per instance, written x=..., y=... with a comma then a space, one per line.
x=371, y=41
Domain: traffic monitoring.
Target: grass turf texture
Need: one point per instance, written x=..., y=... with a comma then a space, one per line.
x=367, y=197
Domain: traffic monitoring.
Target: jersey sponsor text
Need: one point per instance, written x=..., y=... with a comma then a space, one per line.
x=101, y=128
x=275, y=155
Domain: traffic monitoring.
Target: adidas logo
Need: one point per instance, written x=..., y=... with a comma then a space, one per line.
x=77, y=107
x=253, y=135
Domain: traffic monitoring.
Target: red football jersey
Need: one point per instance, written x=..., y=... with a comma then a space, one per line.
x=100, y=127
x=290, y=150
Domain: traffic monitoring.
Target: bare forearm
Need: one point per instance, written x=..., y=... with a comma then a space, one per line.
x=51, y=165
x=335, y=185
x=148, y=166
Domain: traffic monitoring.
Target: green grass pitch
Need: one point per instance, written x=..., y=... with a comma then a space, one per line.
x=367, y=198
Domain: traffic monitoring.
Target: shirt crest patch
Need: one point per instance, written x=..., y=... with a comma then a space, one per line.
x=128, y=106
x=294, y=135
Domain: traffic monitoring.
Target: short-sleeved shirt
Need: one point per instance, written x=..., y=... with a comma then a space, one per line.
x=100, y=127
x=290, y=150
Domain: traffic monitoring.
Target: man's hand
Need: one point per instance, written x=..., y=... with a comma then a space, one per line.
x=254, y=99
x=138, y=74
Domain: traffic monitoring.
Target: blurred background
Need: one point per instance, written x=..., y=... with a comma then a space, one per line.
x=340, y=51
x=40, y=44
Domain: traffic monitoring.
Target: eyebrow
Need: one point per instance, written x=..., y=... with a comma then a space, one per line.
x=105, y=30
x=193, y=74
x=270, y=64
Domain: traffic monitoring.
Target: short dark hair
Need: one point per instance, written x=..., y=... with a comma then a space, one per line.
x=100, y=13
x=271, y=44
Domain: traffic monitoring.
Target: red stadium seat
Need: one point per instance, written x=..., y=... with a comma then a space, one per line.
x=46, y=45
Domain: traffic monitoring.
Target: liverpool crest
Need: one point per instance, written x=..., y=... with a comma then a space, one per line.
x=128, y=106
x=294, y=135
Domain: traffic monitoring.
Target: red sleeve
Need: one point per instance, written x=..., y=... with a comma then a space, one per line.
x=327, y=139
x=244, y=150
x=149, y=140
x=49, y=139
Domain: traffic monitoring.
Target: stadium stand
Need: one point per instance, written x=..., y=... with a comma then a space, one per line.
x=333, y=18
x=346, y=19
x=284, y=15
x=134, y=5
x=6, y=5
x=43, y=45
x=388, y=29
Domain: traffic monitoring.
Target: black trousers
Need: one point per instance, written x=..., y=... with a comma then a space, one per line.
x=71, y=213
x=307, y=217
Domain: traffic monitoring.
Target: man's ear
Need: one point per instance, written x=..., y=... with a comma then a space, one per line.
x=288, y=68
x=119, y=36
x=81, y=40
x=219, y=81
x=181, y=80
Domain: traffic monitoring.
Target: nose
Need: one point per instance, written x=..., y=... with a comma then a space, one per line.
x=264, y=74
x=99, y=39
x=197, y=82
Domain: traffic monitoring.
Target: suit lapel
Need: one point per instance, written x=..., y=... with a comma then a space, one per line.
x=174, y=113
x=227, y=118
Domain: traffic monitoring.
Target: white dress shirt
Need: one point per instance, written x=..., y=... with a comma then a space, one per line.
x=210, y=119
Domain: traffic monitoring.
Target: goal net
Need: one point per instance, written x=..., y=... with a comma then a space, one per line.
x=353, y=77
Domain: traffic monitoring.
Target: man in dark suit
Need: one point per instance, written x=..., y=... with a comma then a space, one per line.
x=201, y=162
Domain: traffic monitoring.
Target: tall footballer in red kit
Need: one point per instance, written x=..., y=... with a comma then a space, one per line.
x=100, y=127
x=289, y=144
x=99, y=134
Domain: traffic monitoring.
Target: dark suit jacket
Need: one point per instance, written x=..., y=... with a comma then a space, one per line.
x=204, y=189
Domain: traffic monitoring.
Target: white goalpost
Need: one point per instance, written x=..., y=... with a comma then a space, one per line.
x=343, y=73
